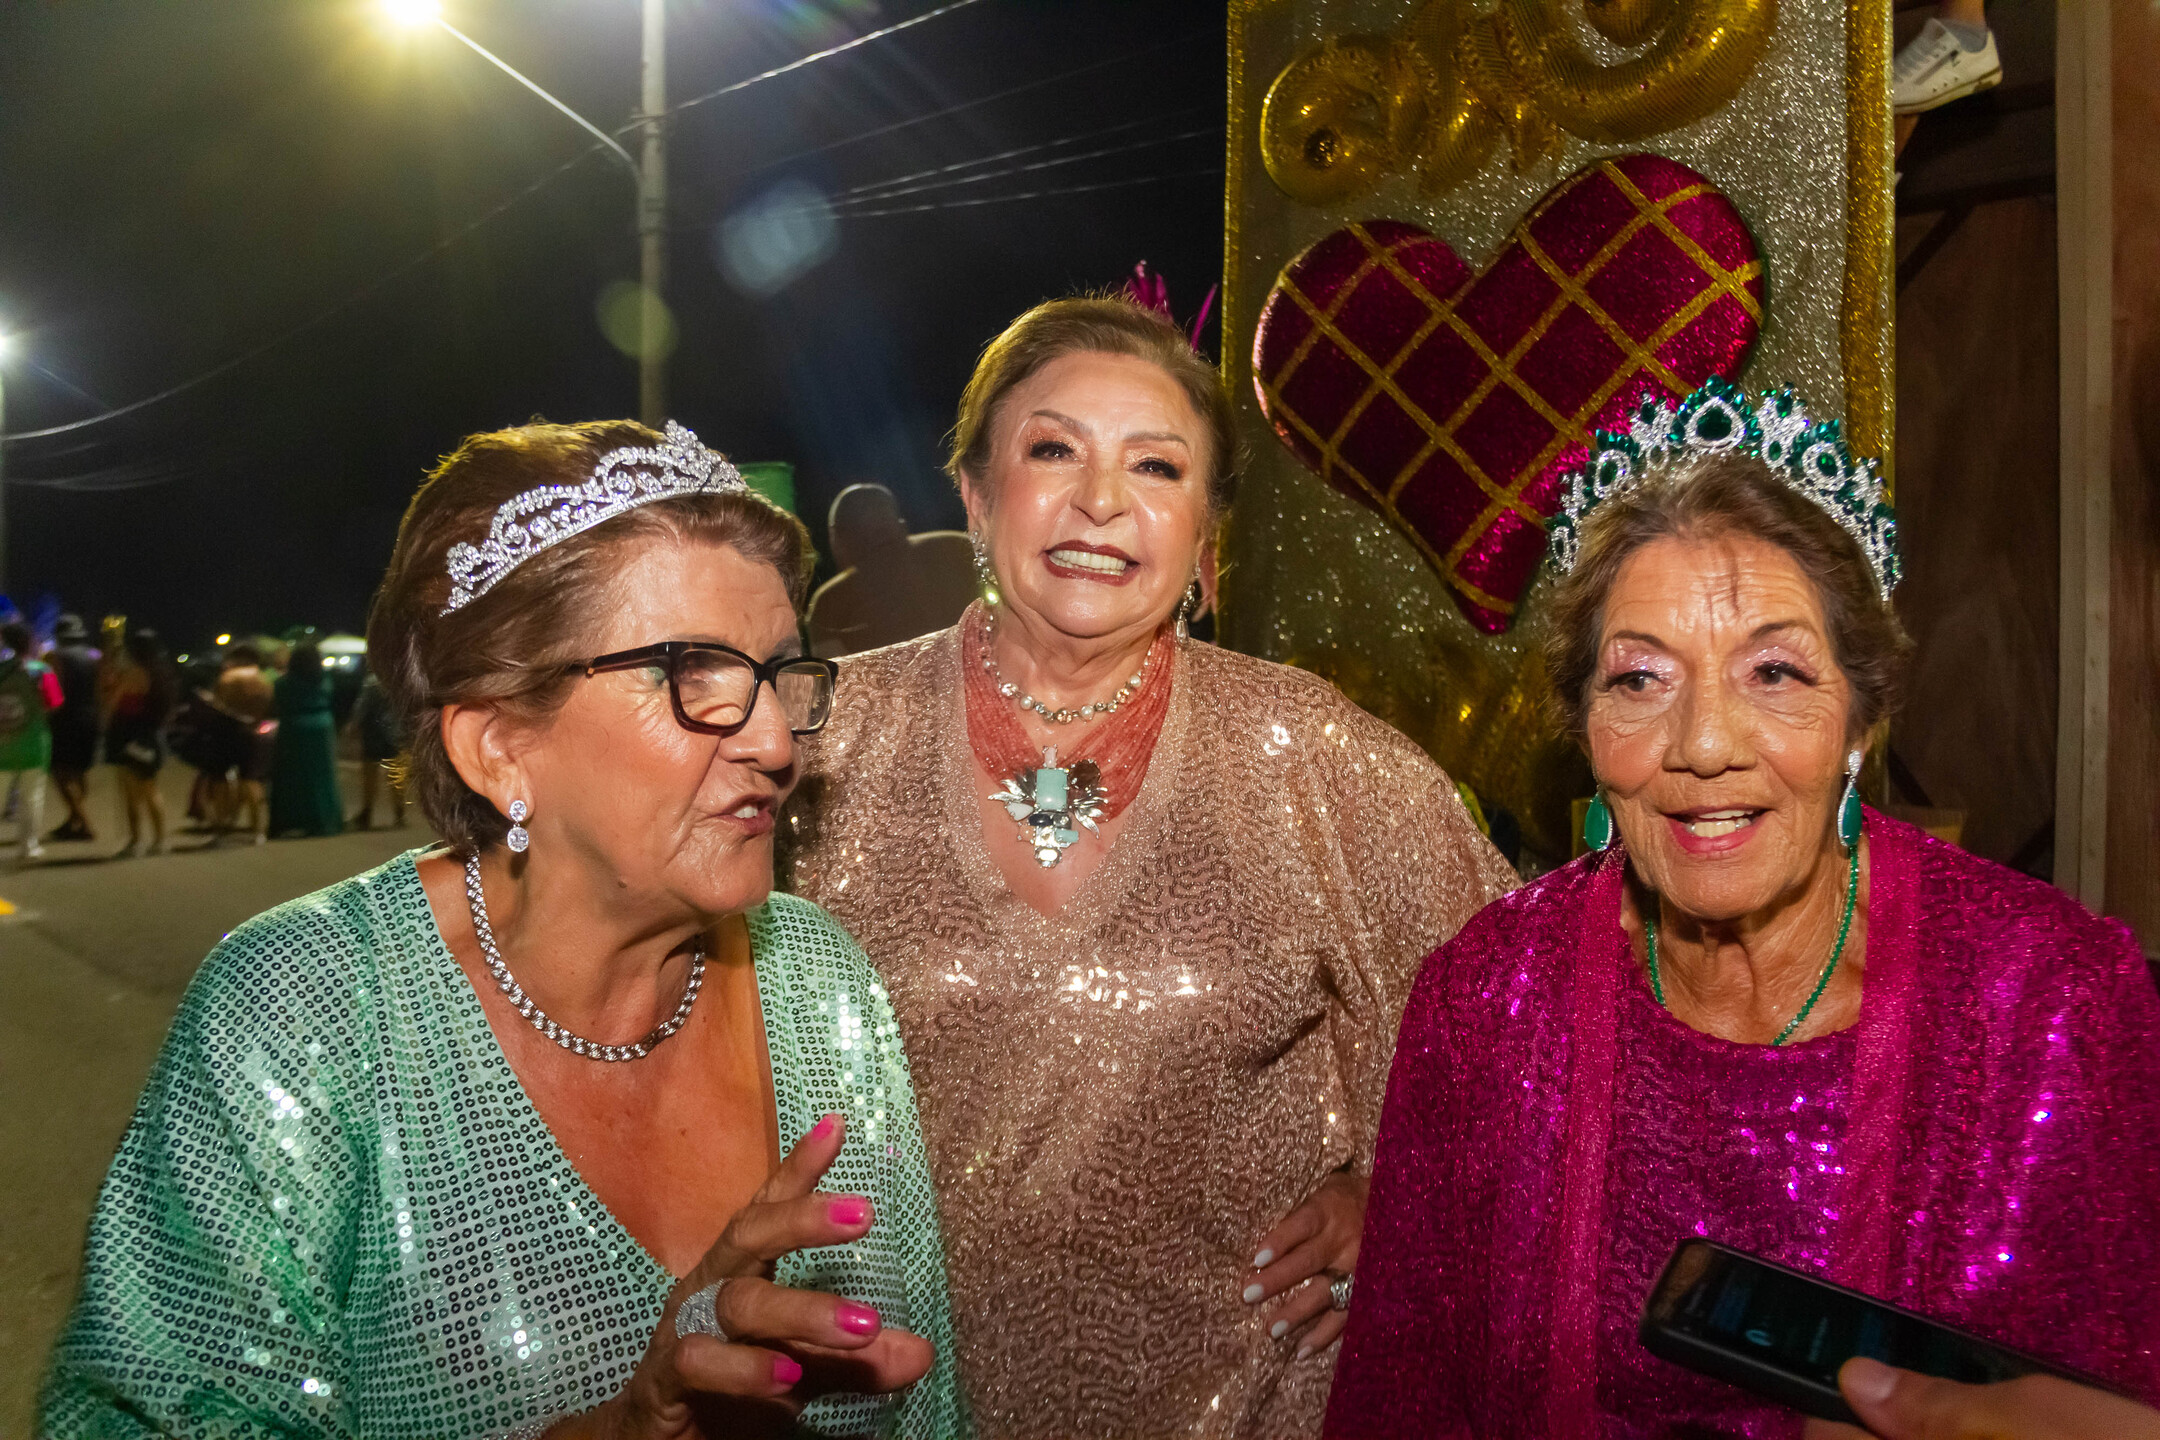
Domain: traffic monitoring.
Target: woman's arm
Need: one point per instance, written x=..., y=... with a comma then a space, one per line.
x=899, y=1267
x=1417, y=869
x=213, y=1280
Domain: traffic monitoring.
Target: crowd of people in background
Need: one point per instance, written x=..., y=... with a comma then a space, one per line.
x=257, y=721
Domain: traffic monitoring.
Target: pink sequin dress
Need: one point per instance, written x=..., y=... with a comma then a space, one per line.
x=1982, y=1146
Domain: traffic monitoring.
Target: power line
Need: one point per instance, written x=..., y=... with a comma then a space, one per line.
x=869, y=187
x=455, y=236
x=1214, y=170
x=877, y=191
x=842, y=205
x=458, y=235
x=842, y=48
x=911, y=121
x=319, y=316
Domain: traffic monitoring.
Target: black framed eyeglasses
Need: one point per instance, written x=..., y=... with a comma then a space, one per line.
x=715, y=687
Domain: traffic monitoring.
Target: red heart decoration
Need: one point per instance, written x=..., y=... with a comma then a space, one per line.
x=1452, y=402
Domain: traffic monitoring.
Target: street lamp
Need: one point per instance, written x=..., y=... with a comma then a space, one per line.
x=650, y=175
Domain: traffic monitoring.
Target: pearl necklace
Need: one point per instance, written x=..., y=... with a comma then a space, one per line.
x=538, y=1018
x=1063, y=717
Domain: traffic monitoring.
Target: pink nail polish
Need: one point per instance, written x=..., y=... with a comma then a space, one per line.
x=785, y=1372
x=857, y=1319
x=850, y=1210
x=823, y=1127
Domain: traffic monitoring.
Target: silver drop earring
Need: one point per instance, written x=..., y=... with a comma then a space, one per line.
x=519, y=839
x=984, y=575
x=1189, y=602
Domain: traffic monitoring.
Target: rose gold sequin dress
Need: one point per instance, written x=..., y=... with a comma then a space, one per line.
x=1120, y=1100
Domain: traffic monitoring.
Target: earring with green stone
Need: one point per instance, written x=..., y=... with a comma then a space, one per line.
x=1597, y=823
x=1849, y=817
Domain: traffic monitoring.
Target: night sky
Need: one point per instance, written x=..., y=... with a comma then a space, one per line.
x=183, y=180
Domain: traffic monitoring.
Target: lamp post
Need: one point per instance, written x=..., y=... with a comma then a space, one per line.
x=652, y=219
x=5, y=345
x=650, y=173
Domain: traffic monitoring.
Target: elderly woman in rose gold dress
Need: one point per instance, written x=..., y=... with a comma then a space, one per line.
x=1147, y=911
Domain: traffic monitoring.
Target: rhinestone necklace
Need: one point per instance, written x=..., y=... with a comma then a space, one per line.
x=538, y=1018
x=1852, y=891
x=1062, y=717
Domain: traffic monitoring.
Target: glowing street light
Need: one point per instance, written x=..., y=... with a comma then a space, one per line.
x=650, y=176
x=412, y=13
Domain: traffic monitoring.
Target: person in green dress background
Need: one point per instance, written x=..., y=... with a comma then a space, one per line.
x=304, y=797
x=524, y=1135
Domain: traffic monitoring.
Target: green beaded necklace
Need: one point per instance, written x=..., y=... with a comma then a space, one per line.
x=1822, y=982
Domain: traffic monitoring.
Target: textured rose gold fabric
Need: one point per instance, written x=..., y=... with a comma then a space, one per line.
x=1121, y=1100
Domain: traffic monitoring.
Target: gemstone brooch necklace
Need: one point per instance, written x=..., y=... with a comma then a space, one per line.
x=1051, y=799
x=538, y=1018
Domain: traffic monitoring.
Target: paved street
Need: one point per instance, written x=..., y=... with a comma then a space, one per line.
x=92, y=963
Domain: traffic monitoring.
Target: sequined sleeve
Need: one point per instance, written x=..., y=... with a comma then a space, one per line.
x=861, y=1071
x=1419, y=869
x=217, y=1261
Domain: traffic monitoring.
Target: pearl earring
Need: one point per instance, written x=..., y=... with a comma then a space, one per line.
x=519, y=839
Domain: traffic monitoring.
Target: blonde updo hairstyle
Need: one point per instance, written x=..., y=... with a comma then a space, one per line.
x=506, y=649
x=1701, y=497
x=1106, y=324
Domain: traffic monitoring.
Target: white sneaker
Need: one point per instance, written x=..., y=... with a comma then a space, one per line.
x=1934, y=70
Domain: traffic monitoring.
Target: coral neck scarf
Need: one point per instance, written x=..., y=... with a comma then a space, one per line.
x=1121, y=745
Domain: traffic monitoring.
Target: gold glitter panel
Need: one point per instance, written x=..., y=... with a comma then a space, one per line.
x=1456, y=117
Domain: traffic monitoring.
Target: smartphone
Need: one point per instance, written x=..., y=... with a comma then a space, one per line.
x=1783, y=1334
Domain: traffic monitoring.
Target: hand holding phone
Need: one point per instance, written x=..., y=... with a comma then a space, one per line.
x=1787, y=1336
x=1899, y=1405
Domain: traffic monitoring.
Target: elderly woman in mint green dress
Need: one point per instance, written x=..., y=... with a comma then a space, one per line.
x=524, y=1135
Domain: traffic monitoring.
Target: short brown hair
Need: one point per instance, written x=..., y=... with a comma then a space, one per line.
x=503, y=648
x=1108, y=324
x=1727, y=494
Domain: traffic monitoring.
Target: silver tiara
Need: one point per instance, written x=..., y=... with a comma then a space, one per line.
x=1808, y=455
x=623, y=480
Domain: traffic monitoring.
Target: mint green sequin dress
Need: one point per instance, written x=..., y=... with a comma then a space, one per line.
x=336, y=1213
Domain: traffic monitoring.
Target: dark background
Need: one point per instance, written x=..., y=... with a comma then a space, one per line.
x=184, y=180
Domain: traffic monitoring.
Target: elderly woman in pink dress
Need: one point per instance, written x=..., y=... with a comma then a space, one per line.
x=1759, y=1012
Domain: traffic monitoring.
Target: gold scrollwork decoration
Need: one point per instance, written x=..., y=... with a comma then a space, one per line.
x=1437, y=96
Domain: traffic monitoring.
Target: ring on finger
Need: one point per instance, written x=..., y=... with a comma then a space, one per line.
x=699, y=1314
x=1339, y=1291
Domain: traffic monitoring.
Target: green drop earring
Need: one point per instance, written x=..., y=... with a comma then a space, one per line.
x=1849, y=816
x=1597, y=826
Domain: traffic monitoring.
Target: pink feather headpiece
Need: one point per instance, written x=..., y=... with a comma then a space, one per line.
x=1151, y=290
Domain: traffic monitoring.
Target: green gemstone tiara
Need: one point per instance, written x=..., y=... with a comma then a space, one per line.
x=1807, y=454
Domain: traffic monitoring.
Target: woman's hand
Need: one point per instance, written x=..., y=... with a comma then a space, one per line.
x=1315, y=1243
x=784, y=1347
x=1899, y=1405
